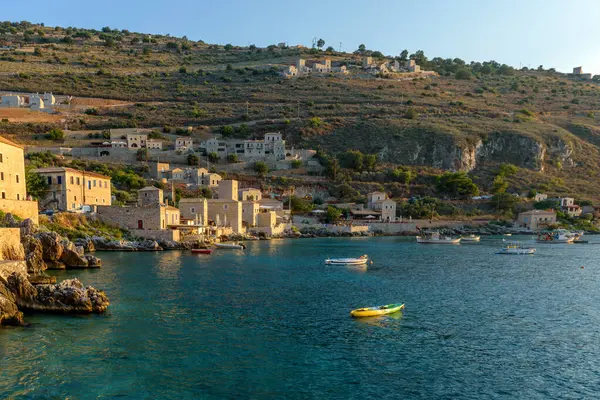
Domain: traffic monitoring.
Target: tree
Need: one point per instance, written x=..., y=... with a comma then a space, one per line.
x=332, y=214
x=411, y=113
x=315, y=122
x=320, y=43
x=362, y=48
x=404, y=55
x=333, y=167
x=504, y=201
x=37, y=186
x=370, y=161
x=142, y=155
x=300, y=205
x=261, y=167
x=192, y=159
x=507, y=169
x=486, y=69
x=227, y=130
x=38, y=52
x=330, y=49
x=456, y=184
x=232, y=158
x=228, y=46
x=56, y=134
x=352, y=159
x=213, y=157
x=463, y=74
x=499, y=185
x=296, y=163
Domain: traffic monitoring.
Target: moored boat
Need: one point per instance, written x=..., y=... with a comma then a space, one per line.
x=470, y=238
x=236, y=246
x=362, y=260
x=516, y=249
x=436, y=238
x=202, y=251
x=557, y=236
x=377, y=311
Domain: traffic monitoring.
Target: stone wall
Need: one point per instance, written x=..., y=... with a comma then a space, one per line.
x=129, y=217
x=165, y=235
x=21, y=208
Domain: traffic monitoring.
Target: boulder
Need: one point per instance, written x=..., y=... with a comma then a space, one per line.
x=41, y=279
x=33, y=254
x=9, y=312
x=86, y=243
x=28, y=227
x=172, y=245
x=72, y=256
x=69, y=296
x=93, y=261
x=148, y=245
x=52, y=248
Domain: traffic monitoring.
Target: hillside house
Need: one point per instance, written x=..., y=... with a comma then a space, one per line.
x=154, y=144
x=568, y=206
x=158, y=170
x=289, y=71
x=36, y=102
x=11, y=100
x=540, y=197
x=381, y=203
x=49, y=99
x=183, y=143
x=150, y=195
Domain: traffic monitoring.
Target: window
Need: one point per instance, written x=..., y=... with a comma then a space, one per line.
x=3, y=195
x=193, y=210
x=1, y=157
x=94, y=183
x=49, y=180
x=78, y=181
x=75, y=198
x=89, y=184
x=18, y=196
x=145, y=194
x=1, y=176
x=17, y=176
x=72, y=180
x=59, y=180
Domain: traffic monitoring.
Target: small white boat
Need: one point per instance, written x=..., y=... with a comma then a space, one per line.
x=470, y=238
x=516, y=249
x=508, y=234
x=237, y=246
x=436, y=238
x=362, y=260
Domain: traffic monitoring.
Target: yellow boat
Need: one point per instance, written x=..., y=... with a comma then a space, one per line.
x=376, y=311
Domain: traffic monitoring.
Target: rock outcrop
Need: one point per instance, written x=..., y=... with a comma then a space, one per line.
x=101, y=243
x=58, y=253
x=9, y=312
x=33, y=254
x=68, y=296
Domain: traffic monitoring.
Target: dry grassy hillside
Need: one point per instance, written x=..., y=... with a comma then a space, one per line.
x=542, y=121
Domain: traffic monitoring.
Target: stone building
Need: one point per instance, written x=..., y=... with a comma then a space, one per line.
x=228, y=190
x=194, y=209
x=183, y=143
x=154, y=144
x=386, y=208
x=136, y=140
x=150, y=195
x=536, y=219
x=250, y=210
x=249, y=194
x=158, y=170
x=36, y=102
x=13, y=189
x=226, y=212
x=70, y=189
x=11, y=100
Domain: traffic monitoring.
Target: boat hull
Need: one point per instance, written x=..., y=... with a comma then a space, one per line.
x=555, y=241
x=342, y=262
x=202, y=251
x=376, y=311
x=519, y=252
x=437, y=241
x=229, y=246
x=470, y=239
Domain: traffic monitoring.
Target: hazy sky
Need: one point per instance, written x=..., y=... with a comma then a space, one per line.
x=554, y=33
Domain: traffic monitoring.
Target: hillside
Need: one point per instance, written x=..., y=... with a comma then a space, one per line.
x=542, y=121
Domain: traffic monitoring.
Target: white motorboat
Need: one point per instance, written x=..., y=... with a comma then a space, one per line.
x=470, y=238
x=362, y=260
x=236, y=246
x=557, y=236
x=516, y=249
x=436, y=238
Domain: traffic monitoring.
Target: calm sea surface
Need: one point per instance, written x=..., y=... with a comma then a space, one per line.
x=273, y=322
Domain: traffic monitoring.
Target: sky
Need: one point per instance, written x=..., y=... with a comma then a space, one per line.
x=553, y=33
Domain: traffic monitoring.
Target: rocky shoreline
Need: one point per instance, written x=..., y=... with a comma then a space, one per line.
x=31, y=289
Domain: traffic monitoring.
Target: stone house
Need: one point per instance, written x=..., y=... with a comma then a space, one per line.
x=250, y=210
x=154, y=144
x=136, y=140
x=540, y=197
x=194, y=209
x=36, y=102
x=374, y=197
x=49, y=99
x=12, y=101
x=183, y=143
x=226, y=213
x=249, y=194
x=177, y=174
x=158, y=170
x=367, y=62
x=386, y=208
x=567, y=204
x=536, y=219
x=210, y=180
x=289, y=71
x=150, y=195
x=13, y=189
x=228, y=190
x=153, y=217
x=70, y=189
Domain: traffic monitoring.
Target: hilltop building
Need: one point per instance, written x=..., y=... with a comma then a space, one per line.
x=11, y=100
x=536, y=219
x=271, y=148
x=304, y=67
x=578, y=72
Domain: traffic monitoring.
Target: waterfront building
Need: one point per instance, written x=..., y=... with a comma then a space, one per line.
x=249, y=194
x=150, y=195
x=194, y=209
x=536, y=219
x=70, y=189
x=228, y=190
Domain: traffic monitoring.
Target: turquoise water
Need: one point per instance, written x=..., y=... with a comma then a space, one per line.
x=273, y=322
